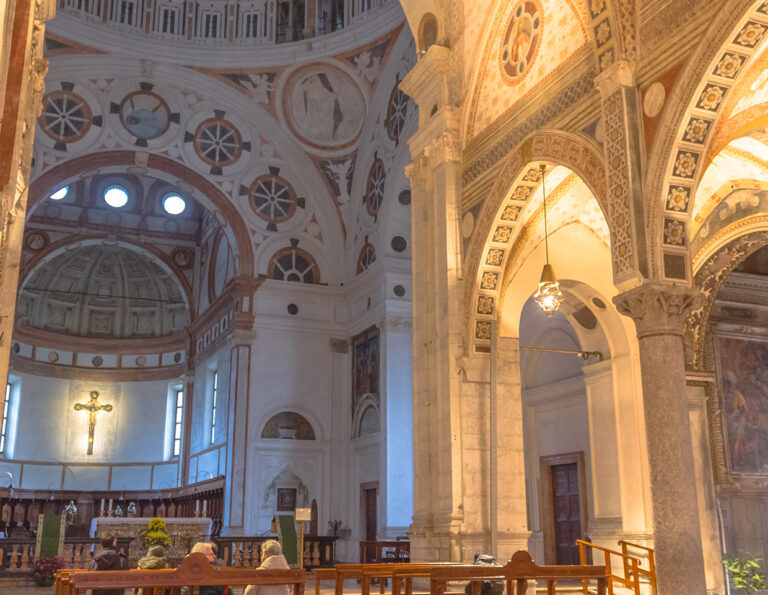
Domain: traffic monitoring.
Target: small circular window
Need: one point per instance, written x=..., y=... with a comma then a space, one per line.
x=173, y=204
x=60, y=193
x=116, y=196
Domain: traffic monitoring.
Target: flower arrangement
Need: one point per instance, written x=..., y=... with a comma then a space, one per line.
x=155, y=534
x=45, y=570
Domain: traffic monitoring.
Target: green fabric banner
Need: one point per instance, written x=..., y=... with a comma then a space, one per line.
x=286, y=531
x=50, y=536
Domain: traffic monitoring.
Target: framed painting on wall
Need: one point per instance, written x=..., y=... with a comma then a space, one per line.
x=742, y=366
x=286, y=499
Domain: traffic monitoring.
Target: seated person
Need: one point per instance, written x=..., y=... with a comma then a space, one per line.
x=271, y=559
x=152, y=561
x=108, y=559
x=205, y=548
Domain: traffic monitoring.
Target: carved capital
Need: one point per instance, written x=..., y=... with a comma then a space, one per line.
x=621, y=73
x=446, y=147
x=658, y=308
x=396, y=323
x=427, y=82
x=339, y=345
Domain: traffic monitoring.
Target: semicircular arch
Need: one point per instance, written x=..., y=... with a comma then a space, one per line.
x=207, y=194
x=519, y=178
x=679, y=157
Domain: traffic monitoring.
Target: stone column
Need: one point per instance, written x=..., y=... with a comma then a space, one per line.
x=237, y=432
x=660, y=311
x=438, y=317
x=513, y=532
x=700, y=386
x=186, y=434
x=396, y=422
x=23, y=68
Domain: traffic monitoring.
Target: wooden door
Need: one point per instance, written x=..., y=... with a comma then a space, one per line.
x=369, y=495
x=566, y=510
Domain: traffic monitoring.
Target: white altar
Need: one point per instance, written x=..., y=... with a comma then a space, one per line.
x=184, y=533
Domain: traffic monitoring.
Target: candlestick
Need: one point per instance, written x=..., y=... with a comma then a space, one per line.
x=205, y=507
x=197, y=508
x=110, y=505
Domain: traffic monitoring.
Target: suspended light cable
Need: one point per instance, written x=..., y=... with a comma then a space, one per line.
x=548, y=294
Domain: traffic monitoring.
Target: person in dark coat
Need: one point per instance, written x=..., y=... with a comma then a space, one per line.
x=108, y=559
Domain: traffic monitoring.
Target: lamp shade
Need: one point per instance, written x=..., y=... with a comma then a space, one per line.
x=548, y=294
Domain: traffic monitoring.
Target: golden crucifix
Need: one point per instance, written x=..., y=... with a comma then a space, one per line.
x=92, y=407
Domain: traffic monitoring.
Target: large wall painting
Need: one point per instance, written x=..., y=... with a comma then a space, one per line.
x=365, y=367
x=743, y=367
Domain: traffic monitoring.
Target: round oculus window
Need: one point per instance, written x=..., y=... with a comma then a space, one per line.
x=173, y=204
x=60, y=193
x=116, y=196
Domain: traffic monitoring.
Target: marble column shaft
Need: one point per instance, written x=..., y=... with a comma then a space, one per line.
x=659, y=311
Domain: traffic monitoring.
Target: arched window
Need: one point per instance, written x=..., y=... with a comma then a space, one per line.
x=294, y=264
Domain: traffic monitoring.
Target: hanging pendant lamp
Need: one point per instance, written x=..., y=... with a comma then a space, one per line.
x=548, y=294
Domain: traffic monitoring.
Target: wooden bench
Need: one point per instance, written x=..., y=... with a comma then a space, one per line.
x=194, y=571
x=516, y=575
x=399, y=573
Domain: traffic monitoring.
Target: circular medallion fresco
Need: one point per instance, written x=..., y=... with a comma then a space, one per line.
x=521, y=40
x=145, y=114
x=324, y=106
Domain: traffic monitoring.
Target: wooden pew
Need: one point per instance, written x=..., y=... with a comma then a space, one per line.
x=400, y=574
x=516, y=575
x=62, y=578
x=194, y=571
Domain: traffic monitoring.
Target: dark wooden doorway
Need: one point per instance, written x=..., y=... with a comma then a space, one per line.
x=369, y=495
x=563, y=506
x=566, y=512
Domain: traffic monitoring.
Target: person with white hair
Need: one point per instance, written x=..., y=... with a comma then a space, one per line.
x=271, y=559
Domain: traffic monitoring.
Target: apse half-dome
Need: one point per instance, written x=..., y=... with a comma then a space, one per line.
x=102, y=291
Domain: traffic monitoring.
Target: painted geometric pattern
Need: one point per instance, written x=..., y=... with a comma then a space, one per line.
x=605, y=42
x=618, y=185
x=496, y=254
x=686, y=168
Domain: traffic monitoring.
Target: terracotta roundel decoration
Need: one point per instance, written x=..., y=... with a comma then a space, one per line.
x=272, y=198
x=374, y=194
x=324, y=106
x=521, y=40
x=65, y=117
x=217, y=142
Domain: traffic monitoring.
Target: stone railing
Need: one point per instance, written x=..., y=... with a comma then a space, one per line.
x=245, y=552
x=227, y=22
x=17, y=556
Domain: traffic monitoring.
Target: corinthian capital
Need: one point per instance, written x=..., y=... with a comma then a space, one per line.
x=658, y=308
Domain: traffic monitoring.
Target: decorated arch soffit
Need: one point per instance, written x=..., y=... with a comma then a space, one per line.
x=711, y=80
x=490, y=239
x=526, y=42
x=730, y=248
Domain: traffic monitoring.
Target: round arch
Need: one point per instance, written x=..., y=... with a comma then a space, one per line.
x=518, y=179
x=207, y=193
x=679, y=157
x=728, y=249
x=162, y=260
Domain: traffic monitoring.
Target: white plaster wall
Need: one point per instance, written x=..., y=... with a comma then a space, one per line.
x=44, y=404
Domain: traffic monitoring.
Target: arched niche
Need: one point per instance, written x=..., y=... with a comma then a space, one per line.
x=288, y=425
x=428, y=32
x=366, y=420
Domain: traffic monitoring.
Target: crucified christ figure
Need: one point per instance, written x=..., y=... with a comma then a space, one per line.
x=92, y=407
